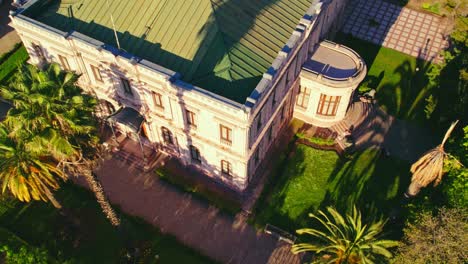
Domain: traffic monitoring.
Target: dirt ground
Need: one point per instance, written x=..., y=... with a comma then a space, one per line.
x=8, y=36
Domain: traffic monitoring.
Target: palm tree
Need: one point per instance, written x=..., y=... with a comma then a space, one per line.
x=52, y=114
x=80, y=165
x=26, y=172
x=48, y=99
x=430, y=167
x=345, y=239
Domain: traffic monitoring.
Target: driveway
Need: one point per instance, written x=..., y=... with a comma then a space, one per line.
x=8, y=36
x=194, y=223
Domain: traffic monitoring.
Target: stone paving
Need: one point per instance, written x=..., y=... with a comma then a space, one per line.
x=415, y=33
x=196, y=224
x=8, y=36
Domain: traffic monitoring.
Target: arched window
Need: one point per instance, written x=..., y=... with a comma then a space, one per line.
x=105, y=108
x=195, y=154
x=226, y=167
x=167, y=136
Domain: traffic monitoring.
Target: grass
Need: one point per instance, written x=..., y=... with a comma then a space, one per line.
x=200, y=191
x=10, y=62
x=399, y=79
x=93, y=239
x=433, y=8
x=298, y=189
x=312, y=179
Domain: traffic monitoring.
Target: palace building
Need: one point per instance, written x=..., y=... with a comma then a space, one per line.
x=211, y=82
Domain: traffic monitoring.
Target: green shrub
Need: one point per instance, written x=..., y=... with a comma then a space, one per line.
x=199, y=191
x=25, y=255
x=433, y=8
x=317, y=140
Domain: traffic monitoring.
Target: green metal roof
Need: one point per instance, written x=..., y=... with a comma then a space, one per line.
x=223, y=46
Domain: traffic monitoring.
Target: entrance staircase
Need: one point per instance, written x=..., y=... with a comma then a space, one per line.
x=131, y=153
x=358, y=114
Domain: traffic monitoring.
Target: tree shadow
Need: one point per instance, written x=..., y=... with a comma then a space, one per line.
x=371, y=181
x=366, y=50
x=405, y=97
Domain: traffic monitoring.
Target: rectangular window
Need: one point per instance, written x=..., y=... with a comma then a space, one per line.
x=226, y=134
x=259, y=122
x=64, y=63
x=126, y=86
x=257, y=155
x=190, y=118
x=195, y=154
x=270, y=132
x=226, y=167
x=328, y=105
x=273, y=101
x=282, y=113
x=157, y=100
x=303, y=97
x=167, y=136
x=39, y=52
x=96, y=73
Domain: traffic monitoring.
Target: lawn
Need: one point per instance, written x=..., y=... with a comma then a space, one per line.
x=399, y=79
x=312, y=179
x=9, y=62
x=86, y=236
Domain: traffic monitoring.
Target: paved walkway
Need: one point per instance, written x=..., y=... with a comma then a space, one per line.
x=373, y=127
x=415, y=33
x=194, y=223
x=8, y=36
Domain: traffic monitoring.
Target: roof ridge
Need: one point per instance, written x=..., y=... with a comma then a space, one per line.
x=223, y=37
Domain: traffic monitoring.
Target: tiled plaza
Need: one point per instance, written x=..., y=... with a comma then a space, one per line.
x=415, y=33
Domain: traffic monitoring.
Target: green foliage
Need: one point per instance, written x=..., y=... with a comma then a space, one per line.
x=11, y=62
x=200, y=191
x=455, y=188
x=399, y=79
x=48, y=124
x=25, y=255
x=345, y=239
x=298, y=187
x=435, y=239
x=310, y=179
x=317, y=140
x=431, y=105
x=433, y=8
x=86, y=236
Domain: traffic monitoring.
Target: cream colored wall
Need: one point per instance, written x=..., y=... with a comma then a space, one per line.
x=301, y=44
x=211, y=109
x=310, y=115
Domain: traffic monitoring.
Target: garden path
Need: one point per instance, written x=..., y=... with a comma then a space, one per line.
x=400, y=138
x=415, y=33
x=376, y=128
x=194, y=223
x=8, y=36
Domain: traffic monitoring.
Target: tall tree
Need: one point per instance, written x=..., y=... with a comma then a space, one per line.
x=51, y=112
x=430, y=167
x=345, y=239
x=28, y=173
x=435, y=239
